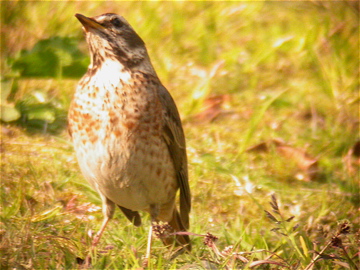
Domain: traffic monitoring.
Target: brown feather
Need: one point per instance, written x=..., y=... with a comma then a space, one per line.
x=133, y=216
x=175, y=139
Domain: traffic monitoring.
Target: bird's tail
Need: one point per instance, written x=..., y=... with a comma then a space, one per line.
x=180, y=238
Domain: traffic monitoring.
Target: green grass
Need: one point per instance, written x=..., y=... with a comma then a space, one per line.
x=290, y=70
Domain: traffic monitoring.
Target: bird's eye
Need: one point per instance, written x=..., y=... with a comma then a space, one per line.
x=117, y=22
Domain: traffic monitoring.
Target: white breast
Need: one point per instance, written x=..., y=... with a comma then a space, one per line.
x=111, y=73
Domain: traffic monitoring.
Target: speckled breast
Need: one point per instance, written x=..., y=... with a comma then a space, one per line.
x=116, y=129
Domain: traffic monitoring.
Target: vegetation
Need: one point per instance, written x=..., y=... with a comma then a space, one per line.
x=269, y=97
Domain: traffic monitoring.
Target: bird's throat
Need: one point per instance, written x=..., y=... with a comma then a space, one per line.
x=109, y=73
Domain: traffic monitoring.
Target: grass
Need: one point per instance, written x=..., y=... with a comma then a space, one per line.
x=287, y=70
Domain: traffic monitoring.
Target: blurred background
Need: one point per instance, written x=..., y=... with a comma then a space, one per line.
x=269, y=97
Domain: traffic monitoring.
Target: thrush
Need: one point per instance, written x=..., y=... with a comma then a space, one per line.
x=126, y=130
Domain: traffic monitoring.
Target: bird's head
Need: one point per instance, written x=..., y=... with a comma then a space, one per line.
x=110, y=36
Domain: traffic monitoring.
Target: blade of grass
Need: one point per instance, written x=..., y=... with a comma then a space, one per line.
x=255, y=120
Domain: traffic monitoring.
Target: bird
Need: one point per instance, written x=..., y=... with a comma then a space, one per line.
x=127, y=133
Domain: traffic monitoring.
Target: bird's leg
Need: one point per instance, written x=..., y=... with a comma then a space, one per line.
x=154, y=212
x=100, y=232
x=108, y=212
x=108, y=209
x=148, y=247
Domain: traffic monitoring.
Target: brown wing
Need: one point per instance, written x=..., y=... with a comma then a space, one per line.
x=175, y=139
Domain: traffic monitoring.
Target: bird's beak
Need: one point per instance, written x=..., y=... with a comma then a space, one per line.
x=89, y=23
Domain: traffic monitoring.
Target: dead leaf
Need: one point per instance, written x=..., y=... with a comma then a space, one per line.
x=50, y=193
x=7, y=132
x=308, y=165
x=213, y=107
x=81, y=210
x=303, y=160
x=352, y=159
x=256, y=263
x=262, y=147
